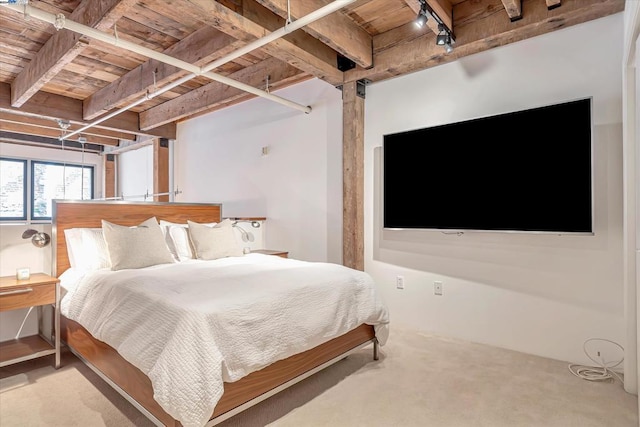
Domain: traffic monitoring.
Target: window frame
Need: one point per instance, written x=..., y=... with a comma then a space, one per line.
x=28, y=198
x=25, y=186
x=33, y=163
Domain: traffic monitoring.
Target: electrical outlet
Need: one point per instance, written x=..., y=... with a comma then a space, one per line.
x=399, y=282
x=437, y=287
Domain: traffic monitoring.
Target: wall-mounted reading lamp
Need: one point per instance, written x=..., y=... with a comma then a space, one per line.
x=39, y=239
x=247, y=236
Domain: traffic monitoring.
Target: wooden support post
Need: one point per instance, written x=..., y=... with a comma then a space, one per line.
x=353, y=174
x=161, y=169
x=109, y=175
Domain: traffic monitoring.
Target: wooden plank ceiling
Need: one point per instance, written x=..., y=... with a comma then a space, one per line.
x=48, y=75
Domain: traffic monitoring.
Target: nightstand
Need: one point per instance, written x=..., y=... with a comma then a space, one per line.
x=282, y=254
x=37, y=291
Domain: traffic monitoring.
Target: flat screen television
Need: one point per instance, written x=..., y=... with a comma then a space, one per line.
x=523, y=171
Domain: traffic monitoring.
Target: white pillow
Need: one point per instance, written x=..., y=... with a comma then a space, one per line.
x=214, y=242
x=74, y=245
x=86, y=248
x=96, y=255
x=177, y=238
x=136, y=247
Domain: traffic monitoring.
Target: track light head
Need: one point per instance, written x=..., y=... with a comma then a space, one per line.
x=443, y=39
x=448, y=48
x=443, y=36
x=421, y=19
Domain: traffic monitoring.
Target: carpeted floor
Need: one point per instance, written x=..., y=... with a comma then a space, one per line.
x=420, y=380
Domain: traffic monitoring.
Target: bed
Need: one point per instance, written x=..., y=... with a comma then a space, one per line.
x=241, y=388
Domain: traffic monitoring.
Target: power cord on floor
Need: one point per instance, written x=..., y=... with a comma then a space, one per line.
x=602, y=371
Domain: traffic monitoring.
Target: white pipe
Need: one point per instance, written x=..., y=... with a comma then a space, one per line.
x=288, y=28
x=133, y=104
x=116, y=41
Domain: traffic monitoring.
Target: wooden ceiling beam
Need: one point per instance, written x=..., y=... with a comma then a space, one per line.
x=199, y=48
x=27, y=129
x=64, y=46
x=444, y=10
x=213, y=94
x=335, y=30
x=248, y=21
x=513, y=9
x=478, y=28
x=53, y=124
x=48, y=105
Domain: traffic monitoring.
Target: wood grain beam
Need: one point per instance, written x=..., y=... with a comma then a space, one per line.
x=335, y=30
x=353, y=177
x=552, y=4
x=64, y=46
x=478, y=28
x=26, y=129
x=51, y=106
x=199, y=48
x=444, y=10
x=250, y=21
x=53, y=124
x=109, y=175
x=214, y=94
x=161, y=169
x=513, y=9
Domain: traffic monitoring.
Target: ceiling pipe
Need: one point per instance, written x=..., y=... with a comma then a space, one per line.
x=145, y=98
x=59, y=21
x=288, y=28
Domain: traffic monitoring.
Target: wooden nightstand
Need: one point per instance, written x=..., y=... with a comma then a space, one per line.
x=37, y=291
x=281, y=254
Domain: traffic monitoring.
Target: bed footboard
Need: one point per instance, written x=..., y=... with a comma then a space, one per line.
x=135, y=386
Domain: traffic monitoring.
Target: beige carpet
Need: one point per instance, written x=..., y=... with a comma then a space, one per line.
x=420, y=380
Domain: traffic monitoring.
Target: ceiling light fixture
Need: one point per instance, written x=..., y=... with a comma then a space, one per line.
x=445, y=34
x=422, y=17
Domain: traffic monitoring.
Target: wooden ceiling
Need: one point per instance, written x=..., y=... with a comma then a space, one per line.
x=46, y=74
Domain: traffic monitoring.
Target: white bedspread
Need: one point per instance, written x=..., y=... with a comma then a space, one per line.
x=190, y=326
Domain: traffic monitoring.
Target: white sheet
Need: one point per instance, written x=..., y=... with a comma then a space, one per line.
x=190, y=326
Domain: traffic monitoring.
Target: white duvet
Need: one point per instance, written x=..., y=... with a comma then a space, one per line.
x=190, y=326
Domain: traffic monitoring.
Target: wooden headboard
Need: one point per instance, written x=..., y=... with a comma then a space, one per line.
x=88, y=214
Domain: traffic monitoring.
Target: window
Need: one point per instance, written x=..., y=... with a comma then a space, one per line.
x=48, y=181
x=13, y=189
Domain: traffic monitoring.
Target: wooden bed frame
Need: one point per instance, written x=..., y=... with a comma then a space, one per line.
x=132, y=383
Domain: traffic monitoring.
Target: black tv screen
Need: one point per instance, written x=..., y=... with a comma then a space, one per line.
x=523, y=171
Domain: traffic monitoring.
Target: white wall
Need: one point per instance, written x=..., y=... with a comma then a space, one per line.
x=631, y=252
x=540, y=294
x=297, y=186
x=16, y=252
x=135, y=178
x=135, y=173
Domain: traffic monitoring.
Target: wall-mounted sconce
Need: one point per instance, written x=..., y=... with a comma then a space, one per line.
x=39, y=239
x=247, y=236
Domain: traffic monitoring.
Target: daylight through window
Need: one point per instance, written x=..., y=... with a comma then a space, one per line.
x=48, y=181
